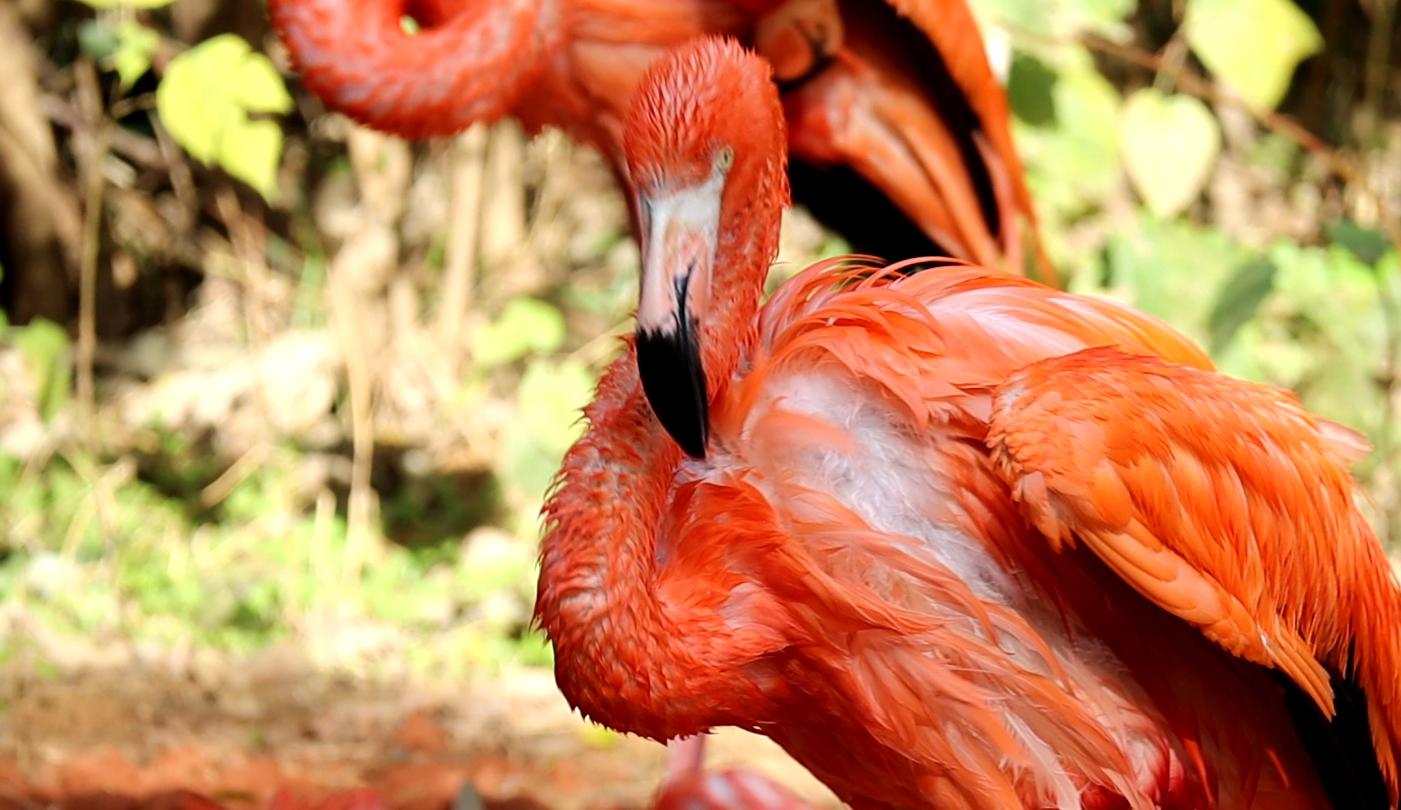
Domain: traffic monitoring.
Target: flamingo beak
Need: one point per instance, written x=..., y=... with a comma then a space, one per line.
x=678, y=252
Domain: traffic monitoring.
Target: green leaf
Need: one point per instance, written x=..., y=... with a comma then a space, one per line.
x=1073, y=161
x=205, y=100
x=1367, y=244
x=1169, y=145
x=97, y=40
x=525, y=326
x=44, y=346
x=1327, y=302
x=258, y=87
x=1239, y=301
x=126, y=49
x=1275, y=153
x=1173, y=269
x=254, y=154
x=547, y=421
x=1252, y=45
x=132, y=58
x=1030, y=88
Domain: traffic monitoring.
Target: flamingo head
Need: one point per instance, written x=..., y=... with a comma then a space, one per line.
x=704, y=144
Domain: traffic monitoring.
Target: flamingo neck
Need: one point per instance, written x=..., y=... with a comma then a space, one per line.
x=625, y=654
x=746, y=246
x=597, y=597
x=472, y=61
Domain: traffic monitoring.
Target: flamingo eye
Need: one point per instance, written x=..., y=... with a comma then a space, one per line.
x=724, y=159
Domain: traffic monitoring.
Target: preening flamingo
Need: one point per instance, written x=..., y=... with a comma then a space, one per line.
x=952, y=538
x=900, y=132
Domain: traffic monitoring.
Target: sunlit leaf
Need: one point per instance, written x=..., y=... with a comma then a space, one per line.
x=1169, y=145
x=1240, y=300
x=125, y=49
x=132, y=58
x=525, y=326
x=599, y=737
x=253, y=155
x=1253, y=45
x=205, y=99
x=259, y=88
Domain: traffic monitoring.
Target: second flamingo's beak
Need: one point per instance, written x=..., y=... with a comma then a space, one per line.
x=678, y=253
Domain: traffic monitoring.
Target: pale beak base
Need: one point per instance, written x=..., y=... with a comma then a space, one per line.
x=678, y=252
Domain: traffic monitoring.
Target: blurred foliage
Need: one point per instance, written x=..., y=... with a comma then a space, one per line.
x=339, y=423
x=1319, y=317
x=1253, y=45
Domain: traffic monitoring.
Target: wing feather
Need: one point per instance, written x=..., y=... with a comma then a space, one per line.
x=1224, y=502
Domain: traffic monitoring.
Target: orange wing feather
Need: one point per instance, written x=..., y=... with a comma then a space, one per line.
x=1222, y=501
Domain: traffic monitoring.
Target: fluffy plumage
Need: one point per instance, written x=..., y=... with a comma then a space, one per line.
x=961, y=540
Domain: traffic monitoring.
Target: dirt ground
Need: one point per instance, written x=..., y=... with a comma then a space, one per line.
x=268, y=731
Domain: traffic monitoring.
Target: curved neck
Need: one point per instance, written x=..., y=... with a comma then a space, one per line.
x=636, y=647
x=746, y=245
x=596, y=598
x=470, y=62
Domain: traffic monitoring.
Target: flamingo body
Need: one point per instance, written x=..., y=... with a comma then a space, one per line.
x=953, y=539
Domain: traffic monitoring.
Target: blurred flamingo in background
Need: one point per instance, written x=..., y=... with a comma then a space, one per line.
x=900, y=133
x=953, y=539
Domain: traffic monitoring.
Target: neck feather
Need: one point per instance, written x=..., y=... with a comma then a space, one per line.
x=623, y=655
x=597, y=597
x=747, y=243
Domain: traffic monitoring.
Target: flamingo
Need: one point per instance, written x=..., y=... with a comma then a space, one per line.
x=952, y=538
x=900, y=131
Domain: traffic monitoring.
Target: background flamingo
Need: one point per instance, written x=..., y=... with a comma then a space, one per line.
x=953, y=539
x=900, y=132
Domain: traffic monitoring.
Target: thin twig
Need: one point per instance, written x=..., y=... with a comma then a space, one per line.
x=128, y=144
x=222, y=487
x=181, y=180
x=466, y=169
x=90, y=102
x=123, y=107
x=347, y=319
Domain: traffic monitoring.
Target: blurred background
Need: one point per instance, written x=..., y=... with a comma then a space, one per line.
x=280, y=396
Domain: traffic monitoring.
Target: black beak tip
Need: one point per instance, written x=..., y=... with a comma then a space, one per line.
x=674, y=382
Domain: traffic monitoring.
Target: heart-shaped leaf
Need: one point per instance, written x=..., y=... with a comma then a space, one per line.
x=1169, y=144
x=1253, y=45
x=205, y=99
